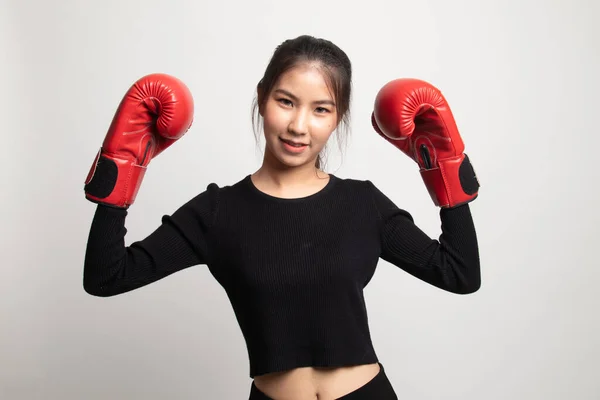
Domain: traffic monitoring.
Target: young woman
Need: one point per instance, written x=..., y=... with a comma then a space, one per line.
x=292, y=245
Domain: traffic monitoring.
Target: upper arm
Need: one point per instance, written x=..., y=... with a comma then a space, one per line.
x=450, y=262
x=179, y=242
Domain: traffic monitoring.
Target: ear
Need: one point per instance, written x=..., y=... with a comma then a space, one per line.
x=259, y=98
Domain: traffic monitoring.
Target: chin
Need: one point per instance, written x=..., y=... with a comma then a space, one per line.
x=292, y=162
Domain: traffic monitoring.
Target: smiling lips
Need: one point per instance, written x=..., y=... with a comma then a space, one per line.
x=292, y=146
x=292, y=143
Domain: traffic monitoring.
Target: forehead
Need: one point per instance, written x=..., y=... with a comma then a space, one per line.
x=304, y=80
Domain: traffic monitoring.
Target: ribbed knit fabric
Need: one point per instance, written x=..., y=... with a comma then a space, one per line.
x=293, y=269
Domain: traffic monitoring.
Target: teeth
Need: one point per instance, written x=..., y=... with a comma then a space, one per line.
x=293, y=144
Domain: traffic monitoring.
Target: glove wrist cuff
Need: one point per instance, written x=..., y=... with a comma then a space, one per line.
x=452, y=182
x=113, y=181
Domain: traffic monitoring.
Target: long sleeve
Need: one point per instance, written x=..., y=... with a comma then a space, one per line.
x=450, y=262
x=111, y=268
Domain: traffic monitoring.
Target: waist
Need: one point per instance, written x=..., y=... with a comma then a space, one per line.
x=311, y=383
x=270, y=359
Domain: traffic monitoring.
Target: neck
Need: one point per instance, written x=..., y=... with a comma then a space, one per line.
x=275, y=174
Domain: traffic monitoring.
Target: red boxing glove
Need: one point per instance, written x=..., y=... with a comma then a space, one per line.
x=414, y=116
x=157, y=110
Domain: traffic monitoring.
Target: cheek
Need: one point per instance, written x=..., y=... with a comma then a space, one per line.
x=322, y=129
x=273, y=120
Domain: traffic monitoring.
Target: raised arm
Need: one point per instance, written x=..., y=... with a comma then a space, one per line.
x=156, y=111
x=414, y=116
x=180, y=242
x=450, y=262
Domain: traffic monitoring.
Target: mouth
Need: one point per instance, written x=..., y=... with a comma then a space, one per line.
x=292, y=143
x=292, y=147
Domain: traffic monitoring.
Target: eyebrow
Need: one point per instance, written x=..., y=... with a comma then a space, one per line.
x=285, y=92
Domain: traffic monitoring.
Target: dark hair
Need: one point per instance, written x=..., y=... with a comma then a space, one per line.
x=332, y=61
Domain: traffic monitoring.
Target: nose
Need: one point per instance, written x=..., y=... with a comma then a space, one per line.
x=299, y=123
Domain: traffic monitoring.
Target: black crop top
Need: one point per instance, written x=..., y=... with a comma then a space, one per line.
x=293, y=269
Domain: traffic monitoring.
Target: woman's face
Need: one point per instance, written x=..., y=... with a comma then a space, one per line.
x=299, y=116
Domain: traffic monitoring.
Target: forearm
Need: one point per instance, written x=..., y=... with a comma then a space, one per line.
x=458, y=254
x=106, y=257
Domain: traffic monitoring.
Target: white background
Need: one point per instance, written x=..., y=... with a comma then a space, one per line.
x=521, y=78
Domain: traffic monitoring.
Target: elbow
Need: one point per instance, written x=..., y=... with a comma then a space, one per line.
x=97, y=282
x=95, y=290
x=91, y=285
x=469, y=288
x=469, y=284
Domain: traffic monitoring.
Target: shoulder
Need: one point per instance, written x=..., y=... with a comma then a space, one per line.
x=355, y=190
x=354, y=186
x=370, y=192
x=205, y=204
x=367, y=186
x=351, y=183
x=214, y=190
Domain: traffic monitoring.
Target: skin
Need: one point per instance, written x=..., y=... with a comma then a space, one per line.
x=301, y=108
x=293, y=111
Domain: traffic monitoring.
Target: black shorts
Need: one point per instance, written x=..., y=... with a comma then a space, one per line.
x=378, y=388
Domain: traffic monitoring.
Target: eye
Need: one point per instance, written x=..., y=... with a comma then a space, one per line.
x=322, y=110
x=285, y=102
